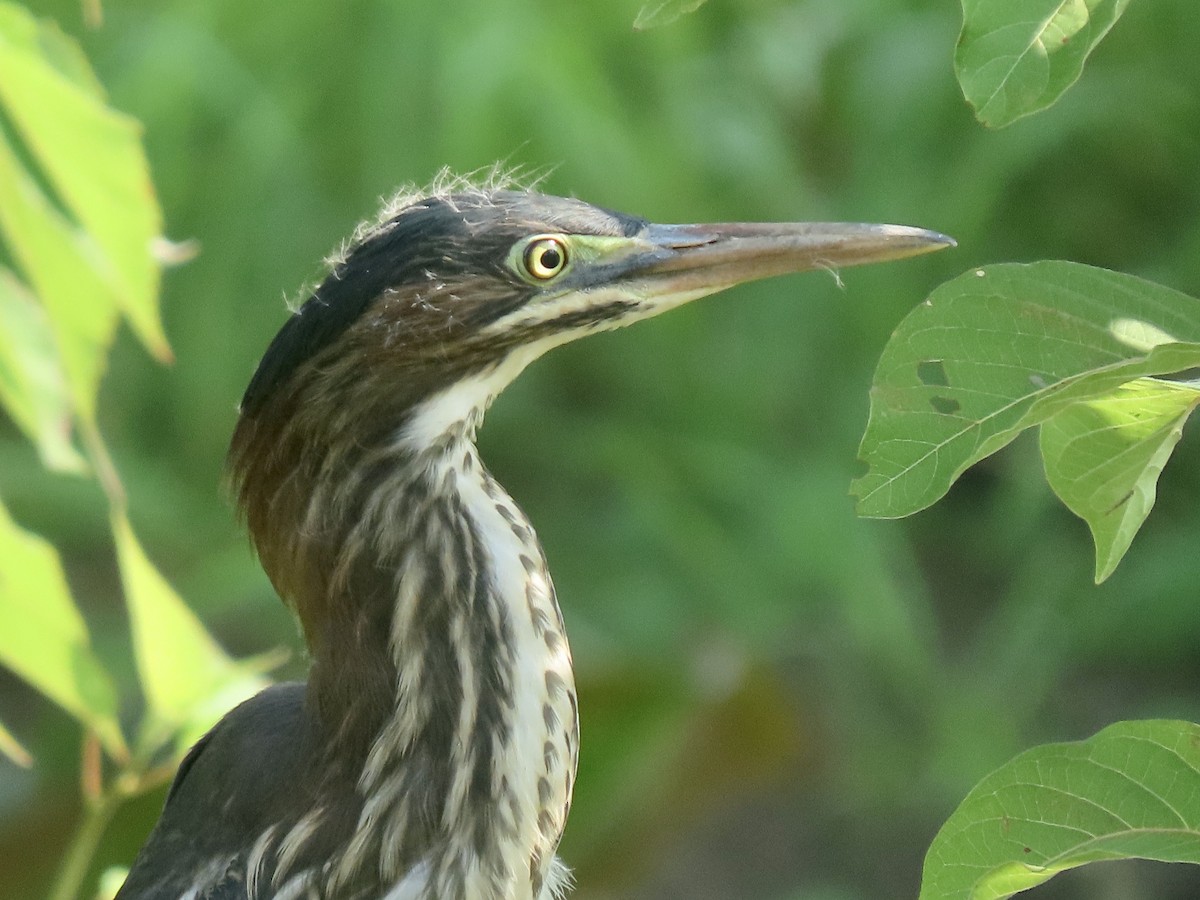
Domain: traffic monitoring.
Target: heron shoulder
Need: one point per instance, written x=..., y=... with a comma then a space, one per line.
x=223, y=783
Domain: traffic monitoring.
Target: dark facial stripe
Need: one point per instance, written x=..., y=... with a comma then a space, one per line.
x=586, y=317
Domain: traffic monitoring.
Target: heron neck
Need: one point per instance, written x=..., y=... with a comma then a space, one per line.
x=443, y=661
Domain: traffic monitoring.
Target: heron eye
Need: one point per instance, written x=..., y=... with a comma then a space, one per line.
x=545, y=258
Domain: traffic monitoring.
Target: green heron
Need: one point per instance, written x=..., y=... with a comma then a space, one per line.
x=431, y=753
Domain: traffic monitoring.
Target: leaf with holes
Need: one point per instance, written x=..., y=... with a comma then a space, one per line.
x=1016, y=57
x=1103, y=458
x=1002, y=349
x=1131, y=791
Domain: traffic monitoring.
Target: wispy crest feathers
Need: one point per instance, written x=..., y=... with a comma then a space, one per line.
x=446, y=185
x=479, y=184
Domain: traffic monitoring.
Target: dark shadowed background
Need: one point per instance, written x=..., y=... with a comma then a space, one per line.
x=779, y=701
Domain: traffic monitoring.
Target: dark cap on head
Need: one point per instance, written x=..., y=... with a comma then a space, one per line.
x=431, y=238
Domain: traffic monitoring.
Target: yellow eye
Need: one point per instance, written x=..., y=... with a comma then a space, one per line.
x=545, y=258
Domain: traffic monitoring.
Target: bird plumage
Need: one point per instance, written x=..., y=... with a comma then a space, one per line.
x=431, y=753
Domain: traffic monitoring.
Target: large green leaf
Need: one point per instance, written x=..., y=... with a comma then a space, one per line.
x=1133, y=790
x=1016, y=57
x=92, y=157
x=32, y=386
x=44, y=639
x=54, y=257
x=1001, y=349
x=1103, y=458
x=187, y=679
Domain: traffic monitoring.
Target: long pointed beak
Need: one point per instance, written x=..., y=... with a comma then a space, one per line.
x=616, y=281
x=707, y=258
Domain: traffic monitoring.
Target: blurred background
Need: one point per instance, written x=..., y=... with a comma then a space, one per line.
x=779, y=701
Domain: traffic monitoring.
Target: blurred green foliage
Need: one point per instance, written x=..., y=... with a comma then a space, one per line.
x=780, y=701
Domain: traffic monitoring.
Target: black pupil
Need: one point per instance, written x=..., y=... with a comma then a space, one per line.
x=549, y=257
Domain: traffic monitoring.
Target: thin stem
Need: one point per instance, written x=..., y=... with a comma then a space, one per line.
x=100, y=802
x=82, y=849
x=102, y=464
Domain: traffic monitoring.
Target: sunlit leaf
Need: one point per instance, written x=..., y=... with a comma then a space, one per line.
x=11, y=747
x=92, y=157
x=664, y=12
x=111, y=881
x=1131, y=791
x=187, y=679
x=44, y=639
x=999, y=350
x=55, y=259
x=1103, y=458
x=33, y=388
x=1016, y=57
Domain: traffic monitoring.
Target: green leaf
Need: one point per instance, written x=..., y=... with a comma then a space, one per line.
x=1103, y=458
x=112, y=880
x=44, y=639
x=32, y=385
x=1016, y=57
x=664, y=12
x=1131, y=791
x=92, y=157
x=55, y=259
x=187, y=679
x=1001, y=349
